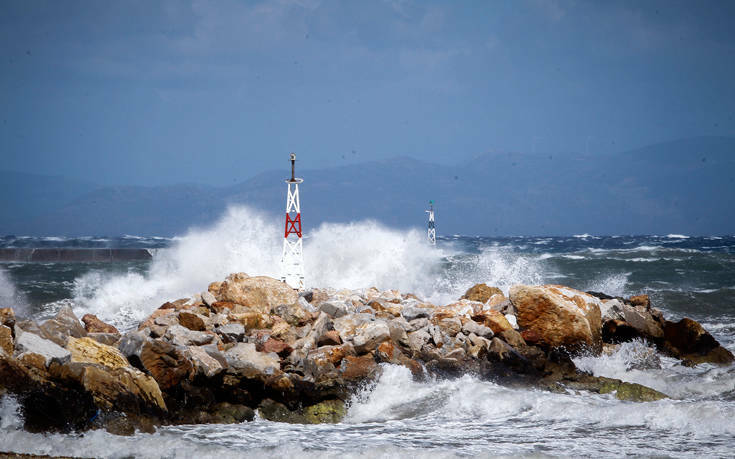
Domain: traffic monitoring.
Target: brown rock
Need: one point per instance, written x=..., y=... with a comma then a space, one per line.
x=220, y=306
x=494, y=320
x=513, y=338
x=151, y=320
x=7, y=317
x=358, y=368
x=6, y=340
x=214, y=288
x=62, y=326
x=641, y=300
x=559, y=315
x=94, y=325
x=260, y=293
x=124, y=389
x=688, y=340
x=191, y=321
x=329, y=338
x=252, y=319
x=275, y=345
x=385, y=351
x=165, y=363
x=495, y=300
x=530, y=337
x=481, y=293
x=87, y=350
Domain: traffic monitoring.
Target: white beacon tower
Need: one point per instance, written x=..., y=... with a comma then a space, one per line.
x=431, y=233
x=292, y=260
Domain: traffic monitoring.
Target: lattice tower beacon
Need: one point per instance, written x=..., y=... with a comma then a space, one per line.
x=292, y=260
x=431, y=233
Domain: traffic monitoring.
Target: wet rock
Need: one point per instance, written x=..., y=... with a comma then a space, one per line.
x=191, y=321
x=165, y=363
x=7, y=317
x=228, y=413
x=451, y=325
x=359, y=368
x=131, y=345
x=246, y=360
x=63, y=325
x=369, y=335
x=182, y=336
x=125, y=389
x=513, y=338
x=618, y=331
x=6, y=340
x=231, y=333
x=326, y=412
x=94, y=325
x=398, y=330
x=87, y=350
x=49, y=351
x=481, y=293
x=561, y=316
x=689, y=341
x=630, y=391
x=640, y=300
x=260, y=293
x=642, y=320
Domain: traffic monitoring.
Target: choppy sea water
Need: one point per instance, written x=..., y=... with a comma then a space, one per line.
x=685, y=276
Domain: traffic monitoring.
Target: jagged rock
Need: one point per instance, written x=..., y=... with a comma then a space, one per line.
x=109, y=339
x=329, y=338
x=511, y=318
x=7, y=317
x=640, y=300
x=252, y=319
x=231, y=333
x=294, y=314
x=29, y=343
x=6, y=340
x=202, y=363
x=87, y=350
x=561, y=316
x=131, y=345
x=369, y=335
x=359, y=368
x=259, y=293
x=513, y=338
x=165, y=363
x=181, y=336
x=321, y=325
x=481, y=293
x=630, y=391
x=470, y=326
x=612, y=309
x=398, y=330
x=413, y=313
x=494, y=320
x=208, y=298
x=191, y=321
x=335, y=308
x=246, y=360
x=642, y=320
x=123, y=388
x=276, y=346
x=451, y=325
x=94, y=325
x=326, y=412
x=63, y=325
x=689, y=341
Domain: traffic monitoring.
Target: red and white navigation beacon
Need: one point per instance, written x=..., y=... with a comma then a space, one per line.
x=292, y=260
x=432, y=231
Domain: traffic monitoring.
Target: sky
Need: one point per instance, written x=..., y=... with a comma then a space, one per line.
x=154, y=93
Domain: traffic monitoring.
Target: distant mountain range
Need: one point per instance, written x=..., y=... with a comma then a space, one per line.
x=685, y=186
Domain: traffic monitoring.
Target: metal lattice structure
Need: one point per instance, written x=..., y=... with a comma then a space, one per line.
x=292, y=260
x=431, y=233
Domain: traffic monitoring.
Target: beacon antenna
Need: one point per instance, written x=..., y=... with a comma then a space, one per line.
x=292, y=260
x=432, y=231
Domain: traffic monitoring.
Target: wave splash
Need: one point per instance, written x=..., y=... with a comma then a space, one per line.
x=352, y=255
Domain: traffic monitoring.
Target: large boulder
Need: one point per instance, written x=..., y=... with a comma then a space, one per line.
x=689, y=341
x=182, y=336
x=494, y=320
x=244, y=359
x=6, y=340
x=165, y=363
x=559, y=316
x=94, y=325
x=261, y=292
x=369, y=335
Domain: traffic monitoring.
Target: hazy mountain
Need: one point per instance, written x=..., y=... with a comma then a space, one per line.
x=684, y=186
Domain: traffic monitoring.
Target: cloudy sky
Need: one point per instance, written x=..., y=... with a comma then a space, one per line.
x=141, y=92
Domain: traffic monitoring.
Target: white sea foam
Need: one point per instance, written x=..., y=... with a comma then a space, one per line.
x=352, y=255
x=677, y=236
x=10, y=297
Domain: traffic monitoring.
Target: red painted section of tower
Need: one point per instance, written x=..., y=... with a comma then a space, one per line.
x=293, y=226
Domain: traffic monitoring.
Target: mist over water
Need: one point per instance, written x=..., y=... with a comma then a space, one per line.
x=397, y=416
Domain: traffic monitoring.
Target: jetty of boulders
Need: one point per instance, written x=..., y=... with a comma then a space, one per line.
x=254, y=346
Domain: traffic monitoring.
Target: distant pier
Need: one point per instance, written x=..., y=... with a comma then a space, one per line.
x=73, y=255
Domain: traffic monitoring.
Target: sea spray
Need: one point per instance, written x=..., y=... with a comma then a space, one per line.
x=350, y=255
x=10, y=297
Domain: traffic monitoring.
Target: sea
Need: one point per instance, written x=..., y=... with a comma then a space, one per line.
x=685, y=276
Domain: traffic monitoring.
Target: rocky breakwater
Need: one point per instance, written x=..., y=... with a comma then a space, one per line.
x=252, y=344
